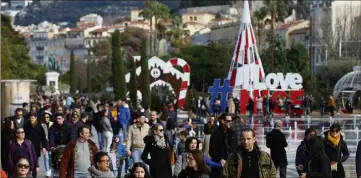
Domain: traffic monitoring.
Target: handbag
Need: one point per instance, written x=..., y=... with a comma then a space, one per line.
x=171, y=157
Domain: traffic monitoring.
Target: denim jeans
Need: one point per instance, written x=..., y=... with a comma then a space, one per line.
x=81, y=175
x=124, y=129
x=136, y=155
x=100, y=140
x=107, y=138
x=47, y=161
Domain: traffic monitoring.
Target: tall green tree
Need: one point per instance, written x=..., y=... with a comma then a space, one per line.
x=258, y=17
x=146, y=95
x=156, y=10
x=133, y=83
x=73, y=81
x=118, y=67
x=88, y=76
x=15, y=61
x=278, y=9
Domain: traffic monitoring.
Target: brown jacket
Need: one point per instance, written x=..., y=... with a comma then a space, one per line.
x=66, y=169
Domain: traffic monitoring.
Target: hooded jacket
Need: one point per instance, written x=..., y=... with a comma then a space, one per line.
x=95, y=173
x=120, y=147
x=234, y=164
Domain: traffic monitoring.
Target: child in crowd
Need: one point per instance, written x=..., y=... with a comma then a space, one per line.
x=118, y=154
x=181, y=145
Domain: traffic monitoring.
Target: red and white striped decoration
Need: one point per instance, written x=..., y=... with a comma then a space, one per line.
x=185, y=78
x=245, y=57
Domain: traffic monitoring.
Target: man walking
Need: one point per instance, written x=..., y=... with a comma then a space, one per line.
x=78, y=155
x=124, y=117
x=135, y=142
x=248, y=161
x=276, y=141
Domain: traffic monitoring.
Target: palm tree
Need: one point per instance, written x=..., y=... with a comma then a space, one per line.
x=158, y=11
x=178, y=37
x=278, y=9
x=259, y=16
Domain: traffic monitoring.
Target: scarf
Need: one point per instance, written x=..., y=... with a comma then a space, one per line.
x=160, y=141
x=334, y=141
x=99, y=174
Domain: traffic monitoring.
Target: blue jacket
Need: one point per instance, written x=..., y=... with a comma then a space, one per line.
x=211, y=163
x=120, y=147
x=123, y=115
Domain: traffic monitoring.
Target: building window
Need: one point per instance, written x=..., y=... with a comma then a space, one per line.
x=195, y=18
x=191, y=18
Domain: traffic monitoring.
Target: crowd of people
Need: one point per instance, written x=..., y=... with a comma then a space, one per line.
x=146, y=144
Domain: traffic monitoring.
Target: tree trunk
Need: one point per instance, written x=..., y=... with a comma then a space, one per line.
x=150, y=37
x=155, y=51
x=272, y=39
x=259, y=34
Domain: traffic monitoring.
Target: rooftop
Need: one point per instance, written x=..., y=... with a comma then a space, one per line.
x=288, y=25
x=300, y=31
x=193, y=23
x=99, y=30
x=76, y=30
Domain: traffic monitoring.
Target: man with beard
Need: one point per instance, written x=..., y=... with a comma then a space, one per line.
x=248, y=161
x=135, y=141
x=220, y=144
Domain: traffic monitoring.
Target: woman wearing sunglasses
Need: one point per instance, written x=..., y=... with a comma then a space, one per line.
x=21, y=147
x=156, y=153
x=22, y=168
x=336, y=150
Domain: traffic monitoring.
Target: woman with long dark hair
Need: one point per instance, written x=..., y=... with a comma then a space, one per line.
x=319, y=165
x=7, y=134
x=196, y=166
x=22, y=168
x=156, y=153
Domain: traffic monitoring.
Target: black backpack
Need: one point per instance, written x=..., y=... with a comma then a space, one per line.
x=56, y=156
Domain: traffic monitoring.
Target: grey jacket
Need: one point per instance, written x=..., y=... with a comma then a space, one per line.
x=105, y=124
x=181, y=164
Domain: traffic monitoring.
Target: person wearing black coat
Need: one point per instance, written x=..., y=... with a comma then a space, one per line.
x=276, y=141
x=303, y=152
x=358, y=159
x=156, y=153
x=7, y=134
x=36, y=134
x=60, y=133
x=220, y=144
x=319, y=165
x=336, y=150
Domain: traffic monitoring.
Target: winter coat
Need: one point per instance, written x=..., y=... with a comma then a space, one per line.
x=105, y=124
x=60, y=135
x=211, y=163
x=79, y=124
x=276, y=141
x=234, y=163
x=12, y=155
x=191, y=173
x=95, y=173
x=319, y=166
x=231, y=106
x=123, y=115
x=303, y=156
x=120, y=147
x=358, y=159
x=220, y=144
x=96, y=121
x=157, y=158
x=136, y=136
x=338, y=154
x=37, y=137
x=180, y=164
x=68, y=160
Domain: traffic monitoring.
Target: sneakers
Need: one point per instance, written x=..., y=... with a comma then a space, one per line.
x=48, y=173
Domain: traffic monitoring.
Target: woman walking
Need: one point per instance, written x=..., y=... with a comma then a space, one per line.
x=157, y=153
x=107, y=132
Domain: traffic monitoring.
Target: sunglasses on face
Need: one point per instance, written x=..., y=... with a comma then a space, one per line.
x=24, y=166
x=105, y=160
x=21, y=132
x=334, y=131
x=161, y=130
x=229, y=121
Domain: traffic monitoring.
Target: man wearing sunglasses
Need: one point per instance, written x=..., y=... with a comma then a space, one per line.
x=221, y=143
x=19, y=118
